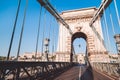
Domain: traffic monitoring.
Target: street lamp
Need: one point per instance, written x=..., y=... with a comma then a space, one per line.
x=117, y=39
x=79, y=45
x=46, y=43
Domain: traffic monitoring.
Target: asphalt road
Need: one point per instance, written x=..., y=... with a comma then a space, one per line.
x=82, y=72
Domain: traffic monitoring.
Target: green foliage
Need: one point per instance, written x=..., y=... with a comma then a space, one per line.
x=2, y=58
x=53, y=57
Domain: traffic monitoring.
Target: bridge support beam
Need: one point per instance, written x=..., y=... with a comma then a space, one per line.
x=50, y=8
x=99, y=12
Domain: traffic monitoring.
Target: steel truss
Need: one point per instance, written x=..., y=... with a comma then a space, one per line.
x=100, y=10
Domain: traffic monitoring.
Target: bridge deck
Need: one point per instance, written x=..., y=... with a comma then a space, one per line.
x=81, y=72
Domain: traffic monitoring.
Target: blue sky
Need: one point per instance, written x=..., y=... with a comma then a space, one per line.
x=7, y=17
x=62, y=5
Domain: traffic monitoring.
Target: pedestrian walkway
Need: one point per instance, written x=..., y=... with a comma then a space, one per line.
x=82, y=72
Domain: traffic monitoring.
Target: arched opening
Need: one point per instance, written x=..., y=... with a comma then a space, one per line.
x=79, y=50
x=79, y=47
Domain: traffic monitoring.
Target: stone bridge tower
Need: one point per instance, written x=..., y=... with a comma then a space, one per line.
x=79, y=20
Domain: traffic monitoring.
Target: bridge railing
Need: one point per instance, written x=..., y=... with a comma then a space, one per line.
x=31, y=70
x=108, y=68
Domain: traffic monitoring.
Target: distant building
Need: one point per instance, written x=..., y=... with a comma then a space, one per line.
x=30, y=56
x=62, y=57
x=81, y=58
x=65, y=57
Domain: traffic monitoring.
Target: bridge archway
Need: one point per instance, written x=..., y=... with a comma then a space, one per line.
x=79, y=20
x=79, y=41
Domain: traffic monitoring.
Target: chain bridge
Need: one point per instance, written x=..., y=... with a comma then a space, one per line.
x=54, y=56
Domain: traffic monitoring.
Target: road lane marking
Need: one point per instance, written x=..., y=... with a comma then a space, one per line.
x=80, y=72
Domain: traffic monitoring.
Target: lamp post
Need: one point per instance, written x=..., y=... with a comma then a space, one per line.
x=79, y=48
x=46, y=43
x=117, y=39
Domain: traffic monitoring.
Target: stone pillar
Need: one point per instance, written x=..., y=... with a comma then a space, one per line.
x=117, y=38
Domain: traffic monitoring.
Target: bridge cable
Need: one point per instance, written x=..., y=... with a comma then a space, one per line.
x=13, y=32
x=54, y=36
x=36, y=51
x=106, y=26
x=53, y=43
x=104, y=3
x=111, y=20
x=49, y=35
x=97, y=34
x=43, y=34
x=102, y=21
x=116, y=9
x=21, y=34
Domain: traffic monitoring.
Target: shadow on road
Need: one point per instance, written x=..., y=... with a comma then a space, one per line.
x=87, y=75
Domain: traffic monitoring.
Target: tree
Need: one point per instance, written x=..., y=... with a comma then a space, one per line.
x=33, y=57
x=2, y=58
x=25, y=57
x=53, y=57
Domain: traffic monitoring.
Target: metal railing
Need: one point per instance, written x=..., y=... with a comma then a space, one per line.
x=14, y=70
x=111, y=69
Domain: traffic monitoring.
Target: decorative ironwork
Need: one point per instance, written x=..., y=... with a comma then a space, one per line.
x=14, y=70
